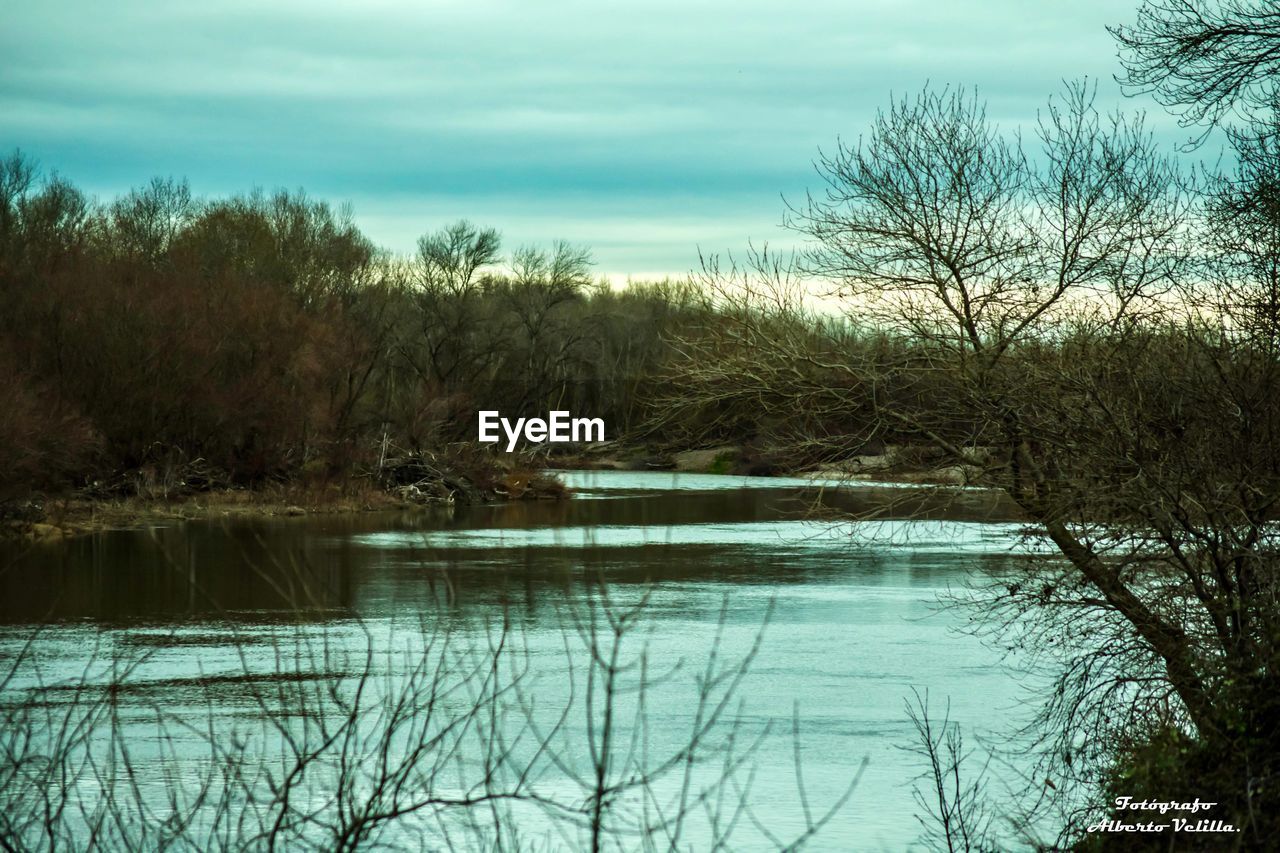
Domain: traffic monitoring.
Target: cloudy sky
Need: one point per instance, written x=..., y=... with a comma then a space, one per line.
x=644, y=129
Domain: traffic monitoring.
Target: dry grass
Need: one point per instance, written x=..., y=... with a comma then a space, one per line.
x=73, y=515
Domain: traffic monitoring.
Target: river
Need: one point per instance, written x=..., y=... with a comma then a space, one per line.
x=217, y=631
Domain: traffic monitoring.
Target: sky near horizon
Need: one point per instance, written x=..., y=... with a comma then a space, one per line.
x=645, y=130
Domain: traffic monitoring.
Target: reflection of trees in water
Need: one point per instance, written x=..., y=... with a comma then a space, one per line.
x=124, y=575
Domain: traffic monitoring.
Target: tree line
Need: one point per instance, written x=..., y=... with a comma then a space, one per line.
x=265, y=335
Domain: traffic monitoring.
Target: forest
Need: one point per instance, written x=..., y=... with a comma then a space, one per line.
x=266, y=336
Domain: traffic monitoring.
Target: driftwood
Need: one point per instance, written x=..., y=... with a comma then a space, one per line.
x=170, y=478
x=426, y=477
x=461, y=475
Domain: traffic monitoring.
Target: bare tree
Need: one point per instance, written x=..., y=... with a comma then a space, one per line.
x=955, y=813
x=147, y=221
x=1053, y=331
x=1205, y=59
x=450, y=258
x=550, y=344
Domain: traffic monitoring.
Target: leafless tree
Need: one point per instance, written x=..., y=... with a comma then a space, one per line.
x=955, y=813
x=1205, y=59
x=1055, y=328
x=450, y=258
x=148, y=220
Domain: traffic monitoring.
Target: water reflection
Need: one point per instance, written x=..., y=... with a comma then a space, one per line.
x=651, y=526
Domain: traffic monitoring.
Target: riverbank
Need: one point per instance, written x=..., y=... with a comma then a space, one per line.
x=890, y=464
x=420, y=480
x=402, y=484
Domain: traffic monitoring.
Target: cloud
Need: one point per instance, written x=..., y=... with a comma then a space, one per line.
x=673, y=123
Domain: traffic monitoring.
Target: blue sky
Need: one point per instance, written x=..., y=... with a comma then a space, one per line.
x=645, y=130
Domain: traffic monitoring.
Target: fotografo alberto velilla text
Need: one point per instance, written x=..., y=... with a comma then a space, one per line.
x=558, y=427
x=1149, y=816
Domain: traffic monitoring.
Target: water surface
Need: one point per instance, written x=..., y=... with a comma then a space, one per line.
x=849, y=614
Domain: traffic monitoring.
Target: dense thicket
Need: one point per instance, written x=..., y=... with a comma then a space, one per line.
x=265, y=335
